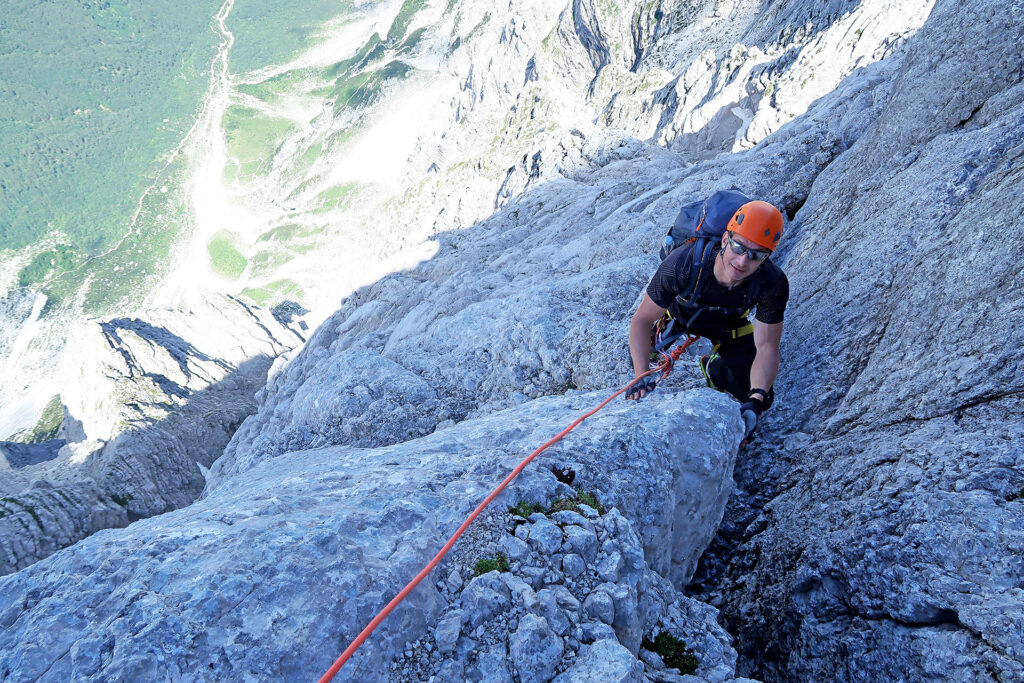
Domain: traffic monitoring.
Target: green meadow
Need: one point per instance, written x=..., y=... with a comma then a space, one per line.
x=95, y=94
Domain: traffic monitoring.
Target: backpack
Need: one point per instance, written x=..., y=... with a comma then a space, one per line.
x=702, y=224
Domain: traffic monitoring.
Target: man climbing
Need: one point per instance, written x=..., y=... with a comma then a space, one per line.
x=745, y=358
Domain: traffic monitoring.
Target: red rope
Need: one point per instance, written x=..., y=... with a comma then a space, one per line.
x=665, y=367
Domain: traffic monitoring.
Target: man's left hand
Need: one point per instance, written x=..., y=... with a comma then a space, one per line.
x=751, y=409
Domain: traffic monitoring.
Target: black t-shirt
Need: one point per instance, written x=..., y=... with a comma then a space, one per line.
x=673, y=274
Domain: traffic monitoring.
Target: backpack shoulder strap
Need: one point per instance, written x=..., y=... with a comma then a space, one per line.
x=700, y=264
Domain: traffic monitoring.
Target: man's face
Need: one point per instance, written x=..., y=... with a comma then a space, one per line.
x=740, y=266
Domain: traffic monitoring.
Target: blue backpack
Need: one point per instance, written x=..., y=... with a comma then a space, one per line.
x=704, y=222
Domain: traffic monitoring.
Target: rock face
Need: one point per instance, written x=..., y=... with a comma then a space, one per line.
x=147, y=404
x=282, y=565
x=886, y=538
x=878, y=528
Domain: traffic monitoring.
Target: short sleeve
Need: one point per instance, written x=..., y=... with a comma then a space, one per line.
x=771, y=304
x=664, y=286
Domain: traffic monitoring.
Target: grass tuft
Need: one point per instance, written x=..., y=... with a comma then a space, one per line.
x=572, y=504
x=524, y=509
x=489, y=564
x=673, y=652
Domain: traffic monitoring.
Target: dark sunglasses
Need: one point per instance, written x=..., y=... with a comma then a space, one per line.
x=752, y=254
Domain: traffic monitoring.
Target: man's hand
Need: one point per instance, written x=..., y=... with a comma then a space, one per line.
x=749, y=420
x=641, y=389
x=751, y=409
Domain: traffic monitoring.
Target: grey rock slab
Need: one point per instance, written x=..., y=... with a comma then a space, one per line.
x=318, y=537
x=514, y=548
x=446, y=635
x=451, y=671
x=609, y=568
x=535, y=649
x=551, y=612
x=545, y=536
x=594, y=631
x=599, y=605
x=565, y=599
x=890, y=547
x=564, y=517
x=573, y=565
x=490, y=665
x=582, y=541
x=652, y=659
x=628, y=622
x=535, y=300
x=605, y=660
x=483, y=598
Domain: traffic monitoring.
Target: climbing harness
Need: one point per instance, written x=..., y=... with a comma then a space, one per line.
x=665, y=367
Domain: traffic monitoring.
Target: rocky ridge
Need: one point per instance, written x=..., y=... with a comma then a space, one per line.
x=576, y=603
x=281, y=565
x=148, y=403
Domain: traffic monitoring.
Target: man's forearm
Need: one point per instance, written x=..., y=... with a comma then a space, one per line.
x=639, y=345
x=765, y=368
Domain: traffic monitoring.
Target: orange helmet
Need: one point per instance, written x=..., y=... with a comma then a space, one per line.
x=759, y=222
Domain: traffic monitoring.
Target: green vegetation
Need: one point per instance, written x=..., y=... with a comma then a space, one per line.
x=336, y=197
x=285, y=233
x=274, y=292
x=95, y=94
x=367, y=88
x=673, y=652
x=268, y=260
x=225, y=258
x=475, y=31
x=49, y=422
x=581, y=498
x=271, y=89
x=400, y=25
x=359, y=81
x=524, y=509
x=47, y=263
x=413, y=39
x=372, y=49
x=252, y=140
x=272, y=32
x=488, y=564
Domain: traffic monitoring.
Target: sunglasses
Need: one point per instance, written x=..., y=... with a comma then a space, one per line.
x=752, y=254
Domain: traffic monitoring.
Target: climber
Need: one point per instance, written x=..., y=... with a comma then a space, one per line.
x=745, y=357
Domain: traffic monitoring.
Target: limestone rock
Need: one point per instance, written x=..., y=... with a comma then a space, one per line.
x=154, y=400
x=605, y=660
x=881, y=530
x=263, y=541
x=535, y=649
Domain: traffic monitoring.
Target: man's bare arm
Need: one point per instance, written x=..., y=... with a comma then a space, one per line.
x=647, y=313
x=767, y=339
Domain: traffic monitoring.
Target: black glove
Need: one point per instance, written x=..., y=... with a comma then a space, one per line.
x=749, y=416
x=751, y=409
x=646, y=385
